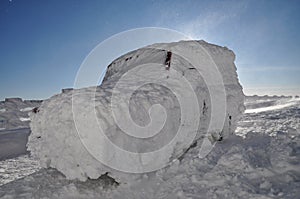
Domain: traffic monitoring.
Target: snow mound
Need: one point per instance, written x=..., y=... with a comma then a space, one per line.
x=74, y=131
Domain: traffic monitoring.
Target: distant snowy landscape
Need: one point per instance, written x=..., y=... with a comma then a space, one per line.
x=14, y=126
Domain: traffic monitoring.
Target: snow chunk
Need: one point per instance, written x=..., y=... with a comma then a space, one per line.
x=24, y=119
x=26, y=109
x=66, y=134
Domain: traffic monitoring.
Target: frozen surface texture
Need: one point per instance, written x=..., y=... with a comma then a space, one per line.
x=15, y=168
x=14, y=113
x=263, y=164
x=14, y=126
x=67, y=120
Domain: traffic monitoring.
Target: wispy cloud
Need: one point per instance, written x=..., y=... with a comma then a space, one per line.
x=211, y=18
x=202, y=25
x=201, y=22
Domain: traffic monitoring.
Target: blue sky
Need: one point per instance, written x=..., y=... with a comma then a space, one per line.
x=43, y=43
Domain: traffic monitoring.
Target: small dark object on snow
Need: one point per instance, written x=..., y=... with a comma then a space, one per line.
x=168, y=60
x=220, y=138
x=35, y=110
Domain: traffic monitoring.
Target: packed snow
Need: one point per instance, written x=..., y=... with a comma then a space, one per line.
x=25, y=119
x=26, y=109
x=68, y=122
x=16, y=168
x=260, y=165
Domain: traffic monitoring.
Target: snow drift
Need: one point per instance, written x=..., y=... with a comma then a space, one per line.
x=185, y=97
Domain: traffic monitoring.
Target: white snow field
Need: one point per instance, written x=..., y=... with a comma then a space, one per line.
x=264, y=164
x=181, y=91
x=14, y=126
x=14, y=113
x=16, y=168
x=280, y=104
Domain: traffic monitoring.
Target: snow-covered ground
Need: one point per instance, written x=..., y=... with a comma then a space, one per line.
x=15, y=168
x=14, y=113
x=270, y=115
x=278, y=104
x=264, y=164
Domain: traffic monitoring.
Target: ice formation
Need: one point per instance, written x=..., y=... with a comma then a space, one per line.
x=264, y=164
x=67, y=121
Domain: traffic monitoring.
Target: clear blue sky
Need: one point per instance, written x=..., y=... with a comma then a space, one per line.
x=43, y=43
